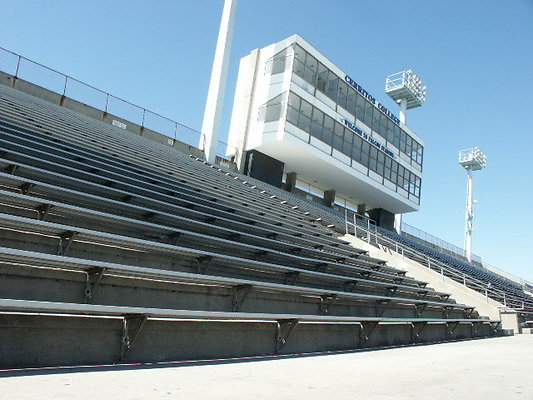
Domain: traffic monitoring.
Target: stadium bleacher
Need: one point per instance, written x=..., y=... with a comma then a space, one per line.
x=111, y=239
x=496, y=286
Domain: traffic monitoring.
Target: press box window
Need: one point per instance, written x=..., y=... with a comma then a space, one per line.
x=322, y=78
x=311, y=66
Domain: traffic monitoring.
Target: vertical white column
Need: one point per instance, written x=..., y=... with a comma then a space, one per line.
x=217, y=85
x=398, y=223
x=469, y=228
x=403, y=110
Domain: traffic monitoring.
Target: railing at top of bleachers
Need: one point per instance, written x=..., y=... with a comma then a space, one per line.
x=23, y=68
x=374, y=238
x=527, y=285
x=442, y=245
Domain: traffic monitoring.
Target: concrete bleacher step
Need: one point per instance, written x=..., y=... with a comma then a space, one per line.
x=27, y=206
x=111, y=283
x=20, y=231
x=120, y=191
x=375, y=271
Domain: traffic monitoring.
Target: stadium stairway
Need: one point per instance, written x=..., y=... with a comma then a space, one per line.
x=115, y=248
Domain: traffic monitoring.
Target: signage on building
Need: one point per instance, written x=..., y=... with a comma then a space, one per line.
x=369, y=139
x=371, y=99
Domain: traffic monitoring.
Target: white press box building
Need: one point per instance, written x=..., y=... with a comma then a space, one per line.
x=298, y=118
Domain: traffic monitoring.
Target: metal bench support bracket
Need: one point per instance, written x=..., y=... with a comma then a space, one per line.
x=131, y=326
x=284, y=329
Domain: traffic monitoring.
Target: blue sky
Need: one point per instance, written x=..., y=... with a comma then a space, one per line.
x=476, y=57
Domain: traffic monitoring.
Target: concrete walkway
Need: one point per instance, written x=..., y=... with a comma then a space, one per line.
x=498, y=368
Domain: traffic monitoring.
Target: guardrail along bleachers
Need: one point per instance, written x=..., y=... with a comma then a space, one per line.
x=117, y=248
x=515, y=296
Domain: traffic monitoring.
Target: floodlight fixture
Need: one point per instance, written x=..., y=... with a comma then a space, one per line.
x=406, y=89
x=472, y=160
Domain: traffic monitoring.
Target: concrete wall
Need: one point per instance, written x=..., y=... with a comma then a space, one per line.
x=485, y=306
x=43, y=340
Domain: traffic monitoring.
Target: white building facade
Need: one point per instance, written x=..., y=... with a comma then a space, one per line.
x=296, y=106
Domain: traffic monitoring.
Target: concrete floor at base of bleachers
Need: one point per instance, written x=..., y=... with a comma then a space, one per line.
x=497, y=368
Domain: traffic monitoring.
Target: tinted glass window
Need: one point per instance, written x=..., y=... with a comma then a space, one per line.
x=368, y=114
x=322, y=78
x=332, y=86
x=343, y=94
x=351, y=101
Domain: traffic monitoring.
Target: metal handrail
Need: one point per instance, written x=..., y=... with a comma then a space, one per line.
x=436, y=241
x=369, y=221
x=105, y=108
x=493, y=293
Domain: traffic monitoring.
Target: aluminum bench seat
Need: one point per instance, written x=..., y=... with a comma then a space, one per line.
x=66, y=235
x=36, y=259
x=21, y=168
x=45, y=192
x=107, y=170
x=128, y=332
x=111, y=223
x=201, y=180
x=14, y=305
x=102, y=269
x=33, y=173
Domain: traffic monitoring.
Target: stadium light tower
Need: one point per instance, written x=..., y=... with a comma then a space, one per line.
x=217, y=85
x=406, y=89
x=472, y=160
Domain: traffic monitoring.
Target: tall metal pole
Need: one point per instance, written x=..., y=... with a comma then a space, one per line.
x=217, y=85
x=469, y=228
x=472, y=160
x=403, y=110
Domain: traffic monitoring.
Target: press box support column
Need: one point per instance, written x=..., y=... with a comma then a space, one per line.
x=329, y=198
x=290, y=181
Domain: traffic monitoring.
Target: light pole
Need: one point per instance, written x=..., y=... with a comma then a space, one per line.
x=472, y=160
x=406, y=89
x=217, y=85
